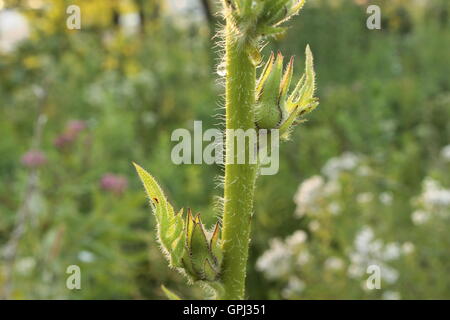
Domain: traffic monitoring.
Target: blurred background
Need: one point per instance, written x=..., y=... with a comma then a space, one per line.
x=364, y=181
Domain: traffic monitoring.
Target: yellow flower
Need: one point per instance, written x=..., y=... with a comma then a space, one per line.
x=32, y=62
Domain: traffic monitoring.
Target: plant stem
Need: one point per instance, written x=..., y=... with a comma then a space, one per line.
x=239, y=178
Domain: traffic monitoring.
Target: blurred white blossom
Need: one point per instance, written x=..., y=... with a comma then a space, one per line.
x=420, y=217
x=130, y=22
x=434, y=194
x=408, y=248
x=364, y=197
x=294, y=287
x=86, y=256
x=297, y=238
x=386, y=198
x=283, y=256
x=391, y=295
x=307, y=195
x=334, y=208
x=434, y=201
x=345, y=162
x=314, y=226
x=334, y=264
x=25, y=265
x=185, y=12
x=368, y=250
x=303, y=258
x=275, y=262
x=13, y=29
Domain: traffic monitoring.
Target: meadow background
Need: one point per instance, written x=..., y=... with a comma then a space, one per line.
x=365, y=181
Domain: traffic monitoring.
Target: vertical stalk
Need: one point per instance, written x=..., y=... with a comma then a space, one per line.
x=239, y=178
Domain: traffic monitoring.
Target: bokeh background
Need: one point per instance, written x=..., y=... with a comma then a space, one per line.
x=364, y=181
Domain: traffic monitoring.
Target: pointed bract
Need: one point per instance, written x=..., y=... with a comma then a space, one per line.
x=268, y=111
x=281, y=112
x=169, y=226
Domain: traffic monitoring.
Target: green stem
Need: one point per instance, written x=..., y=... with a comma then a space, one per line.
x=239, y=178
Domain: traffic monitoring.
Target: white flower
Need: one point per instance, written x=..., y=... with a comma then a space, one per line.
x=355, y=271
x=129, y=22
x=363, y=239
x=371, y=251
x=386, y=198
x=364, y=171
x=275, y=262
x=294, y=287
x=25, y=265
x=434, y=194
x=307, y=195
x=392, y=251
x=420, y=217
x=280, y=259
x=388, y=274
x=13, y=29
x=445, y=153
x=391, y=295
x=334, y=208
x=297, y=238
x=185, y=12
x=86, y=256
x=303, y=258
x=345, y=162
x=334, y=263
x=408, y=247
x=365, y=197
x=314, y=226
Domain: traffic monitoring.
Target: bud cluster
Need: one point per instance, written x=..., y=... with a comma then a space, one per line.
x=203, y=255
x=186, y=243
x=274, y=108
x=262, y=17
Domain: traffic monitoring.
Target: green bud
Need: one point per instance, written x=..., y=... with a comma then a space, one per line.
x=268, y=105
x=186, y=243
x=203, y=255
x=271, y=91
x=274, y=109
x=276, y=12
x=301, y=100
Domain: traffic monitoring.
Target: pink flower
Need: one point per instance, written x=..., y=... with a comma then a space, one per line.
x=113, y=183
x=34, y=159
x=63, y=140
x=75, y=126
x=70, y=134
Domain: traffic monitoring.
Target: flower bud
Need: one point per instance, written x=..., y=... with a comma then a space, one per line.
x=268, y=104
x=203, y=256
x=274, y=110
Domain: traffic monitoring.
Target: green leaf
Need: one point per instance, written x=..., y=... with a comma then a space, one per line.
x=170, y=226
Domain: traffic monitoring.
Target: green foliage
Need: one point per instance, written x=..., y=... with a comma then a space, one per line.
x=170, y=225
x=186, y=244
x=385, y=97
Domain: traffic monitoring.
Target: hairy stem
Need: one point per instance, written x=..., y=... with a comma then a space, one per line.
x=239, y=178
